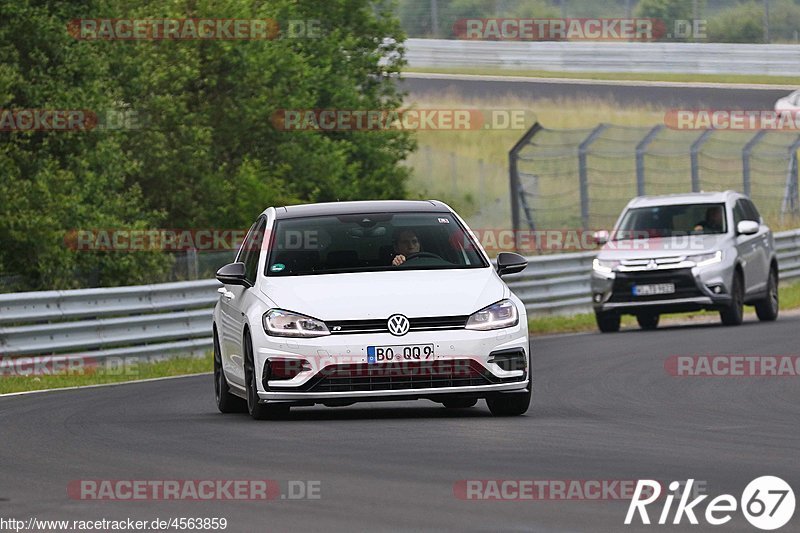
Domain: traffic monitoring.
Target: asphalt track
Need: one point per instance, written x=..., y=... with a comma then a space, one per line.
x=604, y=408
x=618, y=93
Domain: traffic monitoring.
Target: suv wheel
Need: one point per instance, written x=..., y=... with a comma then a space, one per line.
x=607, y=322
x=259, y=411
x=226, y=402
x=733, y=315
x=648, y=321
x=767, y=309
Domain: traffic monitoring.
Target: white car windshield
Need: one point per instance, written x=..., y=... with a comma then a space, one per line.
x=672, y=221
x=369, y=243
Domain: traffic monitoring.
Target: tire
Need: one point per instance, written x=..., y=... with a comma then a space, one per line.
x=648, y=321
x=733, y=315
x=226, y=402
x=258, y=411
x=512, y=404
x=460, y=403
x=607, y=322
x=768, y=308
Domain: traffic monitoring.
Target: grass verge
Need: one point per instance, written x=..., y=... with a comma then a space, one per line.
x=789, y=295
x=620, y=76
x=130, y=371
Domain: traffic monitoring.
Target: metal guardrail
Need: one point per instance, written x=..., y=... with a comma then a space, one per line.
x=684, y=58
x=175, y=318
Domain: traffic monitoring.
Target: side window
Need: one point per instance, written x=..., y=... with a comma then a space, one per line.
x=253, y=250
x=242, y=253
x=750, y=211
x=738, y=213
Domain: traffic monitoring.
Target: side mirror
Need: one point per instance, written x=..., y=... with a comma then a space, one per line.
x=233, y=274
x=747, y=227
x=600, y=237
x=510, y=263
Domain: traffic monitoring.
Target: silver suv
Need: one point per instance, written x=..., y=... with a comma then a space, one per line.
x=685, y=252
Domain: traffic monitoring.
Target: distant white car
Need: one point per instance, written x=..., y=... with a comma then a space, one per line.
x=789, y=104
x=367, y=301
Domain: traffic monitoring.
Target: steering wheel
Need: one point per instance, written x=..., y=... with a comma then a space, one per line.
x=422, y=255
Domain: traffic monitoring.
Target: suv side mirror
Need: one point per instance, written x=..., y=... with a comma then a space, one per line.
x=510, y=263
x=233, y=274
x=747, y=227
x=600, y=237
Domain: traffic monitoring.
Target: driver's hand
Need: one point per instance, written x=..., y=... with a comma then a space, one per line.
x=698, y=227
x=398, y=260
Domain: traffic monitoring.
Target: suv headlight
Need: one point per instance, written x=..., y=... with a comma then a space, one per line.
x=503, y=314
x=706, y=259
x=604, y=265
x=280, y=323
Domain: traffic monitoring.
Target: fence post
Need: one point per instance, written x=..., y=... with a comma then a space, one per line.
x=481, y=185
x=191, y=264
x=790, y=194
x=640, y=151
x=583, y=178
x=696, y=145
x=746, y=151
x=513, y=177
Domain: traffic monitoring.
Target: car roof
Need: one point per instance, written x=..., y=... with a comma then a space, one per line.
x=359, y=207
x=685, y=198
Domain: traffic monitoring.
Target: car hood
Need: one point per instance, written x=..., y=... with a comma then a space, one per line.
x=662, y=247
x=363, y=295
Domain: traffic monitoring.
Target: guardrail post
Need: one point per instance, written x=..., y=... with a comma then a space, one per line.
x=746, y=151
x=640, y=151
x=696, y=145
x=513, y=177
x=583, y=177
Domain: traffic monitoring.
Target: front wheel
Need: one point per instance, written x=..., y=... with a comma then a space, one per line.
x=767, y=309
x=607, y=322
x=460, y=403
x=733, y=315
x=648, y=321
x=226, y=402
x=258, y=411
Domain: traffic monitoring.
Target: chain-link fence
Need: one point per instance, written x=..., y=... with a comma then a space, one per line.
x=583, y=178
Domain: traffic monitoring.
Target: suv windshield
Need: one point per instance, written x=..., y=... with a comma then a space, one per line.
x=369, y=243
x=672, y=221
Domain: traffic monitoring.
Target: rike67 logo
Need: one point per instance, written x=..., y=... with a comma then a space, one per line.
x=767, y=503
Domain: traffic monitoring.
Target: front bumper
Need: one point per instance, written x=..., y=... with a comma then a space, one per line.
x=696, y=288
x=337, y=367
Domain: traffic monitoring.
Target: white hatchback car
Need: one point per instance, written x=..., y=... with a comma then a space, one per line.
x=368, y=301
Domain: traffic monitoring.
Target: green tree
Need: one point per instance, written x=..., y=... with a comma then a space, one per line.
x=206, y=153
x=667, y=11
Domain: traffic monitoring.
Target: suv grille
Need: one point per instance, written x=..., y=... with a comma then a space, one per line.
x=341, y=327
x=685, y=286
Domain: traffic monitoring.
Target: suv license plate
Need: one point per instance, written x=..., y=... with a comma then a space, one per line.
x=654, y=289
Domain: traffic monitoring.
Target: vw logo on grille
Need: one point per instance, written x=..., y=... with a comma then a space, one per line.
x=398, y=325
x=652, y=265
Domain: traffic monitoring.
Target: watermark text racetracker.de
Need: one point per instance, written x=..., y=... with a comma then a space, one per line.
x=193, y=29
x=193, y=489
x=428, y=119
x=732, y=366
x=576, y=29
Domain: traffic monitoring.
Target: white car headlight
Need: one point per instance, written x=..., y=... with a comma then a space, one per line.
x=280, y=323
x=503, y=314
x=706, y=259
x=604, y=265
